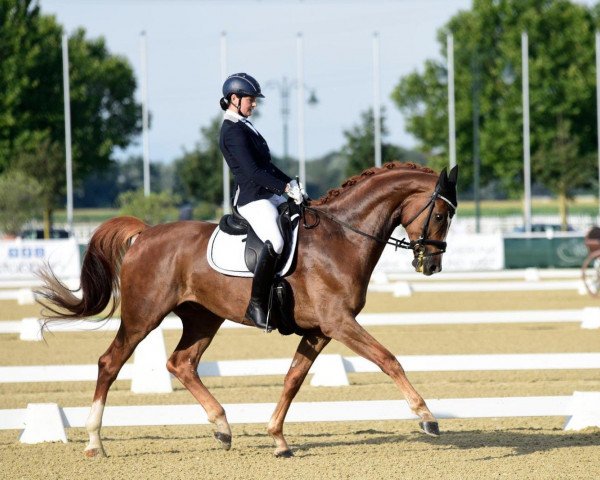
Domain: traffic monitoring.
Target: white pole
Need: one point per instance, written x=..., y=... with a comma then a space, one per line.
x=451, y=109
x=526, y=143
x=598, y=108
x=300, y=80
x=226, y=187
x=145, y=145
x=376, y=100
x=67, y=104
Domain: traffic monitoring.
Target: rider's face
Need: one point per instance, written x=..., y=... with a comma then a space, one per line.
x=247, y=104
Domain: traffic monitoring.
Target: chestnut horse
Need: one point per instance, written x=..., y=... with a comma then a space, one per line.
x=156, y=270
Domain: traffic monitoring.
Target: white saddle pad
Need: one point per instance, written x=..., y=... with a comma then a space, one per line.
x=225, y=253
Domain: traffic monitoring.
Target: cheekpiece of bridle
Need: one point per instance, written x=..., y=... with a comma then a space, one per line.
x=418, y=246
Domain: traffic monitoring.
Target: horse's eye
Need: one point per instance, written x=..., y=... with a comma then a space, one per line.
x=439, y=217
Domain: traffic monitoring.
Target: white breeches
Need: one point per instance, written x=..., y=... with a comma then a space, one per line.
x=262, y=216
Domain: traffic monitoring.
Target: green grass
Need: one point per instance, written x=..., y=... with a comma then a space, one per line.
x=502, y=208
x=489, y=208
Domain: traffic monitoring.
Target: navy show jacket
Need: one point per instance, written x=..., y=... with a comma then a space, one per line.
x=249, y=159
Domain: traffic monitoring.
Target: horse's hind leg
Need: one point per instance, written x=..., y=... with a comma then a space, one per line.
x=109, y=366
x=199, y=328
x=309, y=348
x=350, y=333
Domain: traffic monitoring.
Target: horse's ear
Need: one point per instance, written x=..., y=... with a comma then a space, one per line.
x=453, y=177
x=443, y=179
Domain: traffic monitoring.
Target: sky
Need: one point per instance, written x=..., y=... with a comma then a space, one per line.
x=184, y=60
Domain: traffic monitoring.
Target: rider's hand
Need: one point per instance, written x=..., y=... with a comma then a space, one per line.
x=293, y=191
x=305, y=196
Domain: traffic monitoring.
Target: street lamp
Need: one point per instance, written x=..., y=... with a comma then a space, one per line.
x=285, y=86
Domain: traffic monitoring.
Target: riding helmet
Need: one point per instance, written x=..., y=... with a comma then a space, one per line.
x=243, y=85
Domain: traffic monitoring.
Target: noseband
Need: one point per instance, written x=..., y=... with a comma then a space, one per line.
x=418, y=246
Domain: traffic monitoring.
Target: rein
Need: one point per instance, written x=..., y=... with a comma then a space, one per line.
x=417, y=245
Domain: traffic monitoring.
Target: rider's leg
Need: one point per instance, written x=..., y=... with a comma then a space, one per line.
x=262, y=216
x=258, y=307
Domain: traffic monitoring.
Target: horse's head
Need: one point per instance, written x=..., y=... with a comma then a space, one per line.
x=427, y=218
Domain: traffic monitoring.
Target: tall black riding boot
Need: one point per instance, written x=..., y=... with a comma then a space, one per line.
x=261, y=286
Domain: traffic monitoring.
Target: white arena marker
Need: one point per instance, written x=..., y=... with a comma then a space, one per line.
x=379, y=278
x=590, y=318
x=402, y=289
x=43, y=423
x=150, y=373
x=532, y=274
x=31, y=329
x=25, y=297
x=329, y=371
x=585, y=408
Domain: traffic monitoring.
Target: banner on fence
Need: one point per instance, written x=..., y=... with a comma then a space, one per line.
x=21, y=259
x=465, y=252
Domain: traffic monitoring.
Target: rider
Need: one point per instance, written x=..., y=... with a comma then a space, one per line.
x=260, y=185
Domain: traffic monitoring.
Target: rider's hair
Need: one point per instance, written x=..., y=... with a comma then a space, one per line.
x=224, y=102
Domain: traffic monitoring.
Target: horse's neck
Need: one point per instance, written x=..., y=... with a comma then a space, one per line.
x=374, y=205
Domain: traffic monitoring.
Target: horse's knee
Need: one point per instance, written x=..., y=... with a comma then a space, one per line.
x=106, y=368
x=390, y=364
x=182, y=368
x=293, y=382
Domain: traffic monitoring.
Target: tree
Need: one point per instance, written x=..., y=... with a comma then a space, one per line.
x=200, y=171
x=103, y=109
x=153, y=209
x=18, y=201
x=39, y=157
x=488, y=69
x=360, y=145
x=560, y=166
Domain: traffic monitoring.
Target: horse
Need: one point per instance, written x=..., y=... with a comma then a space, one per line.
x=155, y=270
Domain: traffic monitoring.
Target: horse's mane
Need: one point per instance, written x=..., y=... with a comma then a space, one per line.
x=335, y=192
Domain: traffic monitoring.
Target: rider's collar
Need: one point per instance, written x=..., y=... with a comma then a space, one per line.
x=236, y=117
x=231, y=115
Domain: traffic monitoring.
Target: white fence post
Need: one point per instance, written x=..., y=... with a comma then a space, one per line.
x=150, y=374
x=43, y=423
x=590, y=318
x=585, y=411
x=329, y=371
x=25, y=296
x=31, y=329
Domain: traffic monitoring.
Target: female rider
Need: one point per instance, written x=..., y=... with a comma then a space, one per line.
x=260, y=185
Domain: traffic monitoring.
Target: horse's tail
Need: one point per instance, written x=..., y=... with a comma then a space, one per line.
x=99, y=274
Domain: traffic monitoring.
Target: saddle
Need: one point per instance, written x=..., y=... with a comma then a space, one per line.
x=233, y=250
x=235, y=224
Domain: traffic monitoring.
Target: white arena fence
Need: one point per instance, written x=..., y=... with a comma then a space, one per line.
x=46, y=422
x=588, y=317
x=404, y=284
x=328, y=370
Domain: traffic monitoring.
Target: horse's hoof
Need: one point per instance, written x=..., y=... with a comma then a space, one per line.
x=94, y=453
x=430, y=428
x=224, y=440
x=284, y=454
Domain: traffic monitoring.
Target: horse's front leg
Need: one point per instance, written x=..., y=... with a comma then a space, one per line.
x=346, y=330
x=309, y=348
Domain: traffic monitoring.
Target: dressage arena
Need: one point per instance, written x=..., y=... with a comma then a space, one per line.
x=514, y=447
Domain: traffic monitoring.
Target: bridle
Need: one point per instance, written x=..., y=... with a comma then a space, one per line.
x=418, y=246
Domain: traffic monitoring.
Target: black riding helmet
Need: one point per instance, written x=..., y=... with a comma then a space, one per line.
x=243, y=85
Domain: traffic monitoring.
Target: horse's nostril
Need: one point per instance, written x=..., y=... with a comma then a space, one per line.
x=434, y=268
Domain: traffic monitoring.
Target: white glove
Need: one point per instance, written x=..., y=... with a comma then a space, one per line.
x=303, y=192
x=293, y=191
